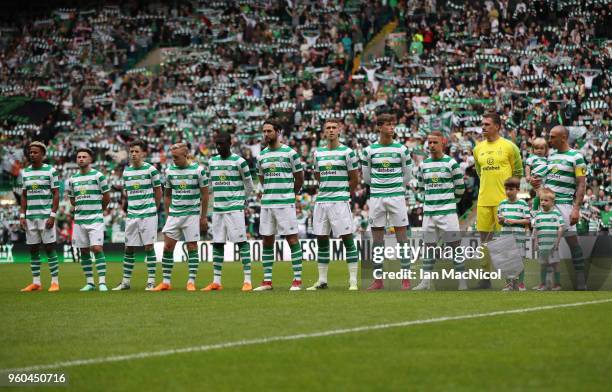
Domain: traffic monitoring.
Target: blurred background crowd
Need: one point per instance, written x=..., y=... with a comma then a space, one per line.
x=104, y=75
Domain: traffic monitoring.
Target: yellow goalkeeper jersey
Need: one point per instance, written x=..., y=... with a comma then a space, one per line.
x=496, y=162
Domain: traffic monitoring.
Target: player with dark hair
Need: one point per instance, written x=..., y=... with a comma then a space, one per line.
x=39, y=203
x=89, y=194
x=142, y=189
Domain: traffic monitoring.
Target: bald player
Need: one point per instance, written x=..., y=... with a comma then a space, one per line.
x=566, y=177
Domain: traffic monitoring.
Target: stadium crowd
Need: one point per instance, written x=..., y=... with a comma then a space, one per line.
x=215, y=66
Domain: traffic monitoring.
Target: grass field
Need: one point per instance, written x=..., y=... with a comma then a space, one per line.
x=556, y=348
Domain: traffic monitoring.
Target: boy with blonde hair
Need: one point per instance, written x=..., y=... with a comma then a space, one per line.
x=548, y=231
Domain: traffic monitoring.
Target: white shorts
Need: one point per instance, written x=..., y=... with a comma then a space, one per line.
x=228, y=226
x=37, y=233
x=388, y=210
x=84, y=236
x=183, y=228
x=278, y=221
x=334, y=217
x=141, y=231
x=566, y=210
x=545, y=258
x=436, y=227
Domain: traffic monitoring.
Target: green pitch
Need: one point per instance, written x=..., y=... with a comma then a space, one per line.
x=553, y=349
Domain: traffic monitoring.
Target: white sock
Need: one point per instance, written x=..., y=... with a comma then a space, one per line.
x=426, y=282
x=36, y=280
x=190, y=280
x=166, y=281
x=323, y=267
x=55, y=279
x=217, y=279
x=125, y=281
x=247, y=276
x=353, y=270
x=151, y=280
x=102, y=280
x=90, y=280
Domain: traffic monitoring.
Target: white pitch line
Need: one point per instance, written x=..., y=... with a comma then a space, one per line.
x=250, y=342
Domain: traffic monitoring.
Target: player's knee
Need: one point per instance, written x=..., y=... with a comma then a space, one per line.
x=96, y=249
x=191, y=246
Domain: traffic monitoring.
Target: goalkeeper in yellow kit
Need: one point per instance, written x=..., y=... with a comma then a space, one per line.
x=496, y=160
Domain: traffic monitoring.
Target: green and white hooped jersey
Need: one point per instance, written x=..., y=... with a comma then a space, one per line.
x=546, y=225
x=563, y=168
x=518, y=209
x=185, y=183
x=333, y=167
x=442, y=182
x=138, y=184
x=538, y=165
x=389, y=167
x=38, y=184
x=87, y=190
x=227, y=180
x=277, y=168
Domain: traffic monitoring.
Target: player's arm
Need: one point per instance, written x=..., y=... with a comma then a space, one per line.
x=298, y=173
x=157, y=187
x=366, y=169
x=55, y=202
x=70, y=193
x=203, y=183
x=157, y=195
x=406, y=167
x=516, y=162
x=167, y=200
x=476, y=163
x=24, y=206
x=353, y=171
x=247, y=180
x=260, y=176
x=54, y=207
x=353, y=180
x=298, y=181
x=317, y=173
x=204, y=198
x=457, y=179
x=580, y=190
x=103, y=183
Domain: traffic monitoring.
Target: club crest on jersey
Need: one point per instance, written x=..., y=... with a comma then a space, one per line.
x=34, y=187
x=223, y=177
x=183, y=185
x=434, y=178
x=329, y=166
x=273, y=167
x=554, y=169
x=386, y=163
x=83, y=190
x=136, y=186
x=490, y=161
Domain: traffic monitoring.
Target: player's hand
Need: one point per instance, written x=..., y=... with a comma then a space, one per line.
x=204, y=224
x=535, y=182
x=23, y=223
x=501, y=220
x=574, y=216
x=50, y=222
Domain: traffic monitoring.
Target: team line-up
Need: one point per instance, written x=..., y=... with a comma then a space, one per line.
x=385, y=166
